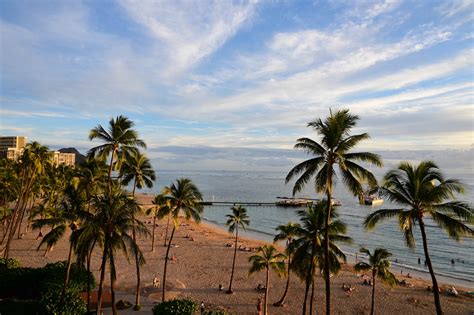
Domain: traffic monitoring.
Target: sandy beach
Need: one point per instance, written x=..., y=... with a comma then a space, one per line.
x=203, y=262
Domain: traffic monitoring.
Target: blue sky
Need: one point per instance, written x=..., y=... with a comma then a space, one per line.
x=246, y=74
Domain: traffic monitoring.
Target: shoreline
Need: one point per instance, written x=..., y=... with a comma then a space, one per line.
x=395, y=267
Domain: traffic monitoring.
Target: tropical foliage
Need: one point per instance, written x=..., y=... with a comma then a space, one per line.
x=333, y=149
x=423, y=193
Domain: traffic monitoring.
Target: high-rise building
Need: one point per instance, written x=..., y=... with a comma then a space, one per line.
x=12, y=147
x=64, y=158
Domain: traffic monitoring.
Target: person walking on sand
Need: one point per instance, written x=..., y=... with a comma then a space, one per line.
x=202, y=307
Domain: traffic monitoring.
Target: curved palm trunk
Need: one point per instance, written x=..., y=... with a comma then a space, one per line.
x=233, y=262
x=373, y=293
x=89, y=257
x=66, y=276
x=102, y=277
x=265, y=306
x=309, y=279
x=110, y=166
x=167, y=225
x=439, y=311
x=282, y=300
x=153, y=234
x=137, y=263
x=326, y=254
x=112, y=281
x=166, y=264
x=312, y=297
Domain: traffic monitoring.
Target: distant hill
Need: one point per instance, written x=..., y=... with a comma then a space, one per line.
x=80, y=158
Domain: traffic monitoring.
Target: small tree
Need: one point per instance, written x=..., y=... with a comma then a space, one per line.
x=380, y=267
x=268, y=258
x=238, y=218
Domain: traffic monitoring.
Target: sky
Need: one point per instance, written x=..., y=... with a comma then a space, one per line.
x=232, y=84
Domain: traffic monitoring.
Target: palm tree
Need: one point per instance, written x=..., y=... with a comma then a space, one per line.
x=160, y=209
x=269, y=258
x=424, y=192
x=238, y=218
x=111, y=226
x=119, y=139
x=68, y=217
x=380, y=267
x=287, y=232
x=182, y=196
x=310, y=252
x=33, y=162
x=137, y=167
x=336, y=142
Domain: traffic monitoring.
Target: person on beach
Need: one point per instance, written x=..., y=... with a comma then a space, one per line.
x=419, y=260
x=259, y=306
x=202, y=307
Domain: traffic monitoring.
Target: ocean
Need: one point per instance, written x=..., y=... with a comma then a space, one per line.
x=252, y=186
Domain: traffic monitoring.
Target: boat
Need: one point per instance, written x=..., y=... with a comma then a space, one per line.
x=371, y=200
x=293, y=202
x=335, y=203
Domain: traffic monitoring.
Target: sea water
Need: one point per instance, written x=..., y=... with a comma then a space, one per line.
x=243, y=186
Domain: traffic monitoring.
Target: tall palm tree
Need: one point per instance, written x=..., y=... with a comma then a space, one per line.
x=287, y=232
x=69, y=216
x=268, y=259
x=182, y=197
x=111, y=226
x=238, y=218
x=310, y=252
x=33, y=162
x=160, y=209
x=380, y=267
x=423, y=192
x=334, y=149
x=137, y=168
x=119, y=139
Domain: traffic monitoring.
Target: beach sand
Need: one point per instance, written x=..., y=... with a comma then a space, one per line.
x=201, y=265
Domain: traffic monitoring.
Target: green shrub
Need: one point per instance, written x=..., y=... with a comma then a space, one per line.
x=123, y=305
x=72, y=304
x=9, y=263
x=175, y=307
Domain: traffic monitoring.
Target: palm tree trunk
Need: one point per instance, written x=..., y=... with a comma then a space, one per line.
x=137, y=265
x=102, y=277
x=21, y=220
x=439, y=311
x=309, y=279
x=265, y=306
x=112, y=281
x=110, y=166
x=282, y=300
x=233, y=262
x=66, y=276
x=153, y=234
x=326, y=253
x=312, y=297
x=373, y=293
x=89, y=256
x=166, y=264
x=167, y=225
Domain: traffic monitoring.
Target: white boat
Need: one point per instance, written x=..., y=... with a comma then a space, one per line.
x=372, y=200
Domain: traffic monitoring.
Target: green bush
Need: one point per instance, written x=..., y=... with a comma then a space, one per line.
x=176, y=307
x=9, y=263
x=72, y=304
x=123, y=305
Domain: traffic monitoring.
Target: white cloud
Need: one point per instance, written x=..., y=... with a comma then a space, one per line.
x=190, y=30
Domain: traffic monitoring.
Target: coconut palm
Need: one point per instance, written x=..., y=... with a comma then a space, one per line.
x=238, y=218
x=111, y=226
x=287, y=232
x=137, y=168
x=380, y=267
x=268, y=259
x=423, y=192
x=71, y=209
x=119, y=139
x=333, y=149
x=160, y=209
x=33, y=162
x=310, y=252
x=182, y=197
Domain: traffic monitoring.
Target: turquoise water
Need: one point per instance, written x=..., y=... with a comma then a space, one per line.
x=241, y=186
